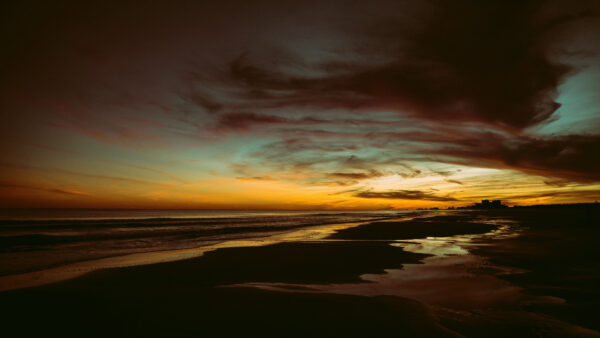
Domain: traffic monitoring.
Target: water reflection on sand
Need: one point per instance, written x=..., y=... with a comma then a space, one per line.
x=451, y=276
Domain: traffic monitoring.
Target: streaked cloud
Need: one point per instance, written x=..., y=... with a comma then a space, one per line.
x=404, y=195
x=390, y=104
x=44, y=189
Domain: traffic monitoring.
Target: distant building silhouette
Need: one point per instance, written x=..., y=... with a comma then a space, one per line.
x=487, y=204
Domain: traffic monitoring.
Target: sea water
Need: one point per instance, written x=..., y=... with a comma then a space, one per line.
x=37, y=239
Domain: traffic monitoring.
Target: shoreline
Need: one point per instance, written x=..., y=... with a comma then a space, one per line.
x=441, y=252
x=74, y=270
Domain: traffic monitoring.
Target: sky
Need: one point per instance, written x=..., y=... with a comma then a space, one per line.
x=298, y=104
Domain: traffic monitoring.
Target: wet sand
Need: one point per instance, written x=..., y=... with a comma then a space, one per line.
x=557, y=250
x=471, y=273
x=439, y=226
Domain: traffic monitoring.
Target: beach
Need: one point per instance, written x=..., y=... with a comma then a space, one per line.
x=300, y=168
x=474, y=273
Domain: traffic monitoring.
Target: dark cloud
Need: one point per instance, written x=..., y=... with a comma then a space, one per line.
x=445, y=173
x=289, y=150
x=409, y=171
x=244, y=121
x=404, y=195
x=203, y=101
x=454, y=181
x=257, y=178
x=463, y=61
x=558, y=183
x=570, y=157
x=357, y=176
x=461, y=82
x=583, y=195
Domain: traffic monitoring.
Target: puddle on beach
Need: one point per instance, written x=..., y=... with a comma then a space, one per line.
x=457, y=285
x=451, y=276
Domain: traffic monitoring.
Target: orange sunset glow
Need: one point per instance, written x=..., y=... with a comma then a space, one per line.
x=130, y=117
x=174, y=116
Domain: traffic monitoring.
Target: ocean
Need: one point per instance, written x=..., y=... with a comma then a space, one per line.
x=37, y=239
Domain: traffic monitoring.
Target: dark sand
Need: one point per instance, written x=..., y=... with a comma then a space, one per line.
x=185, y=298
x=559, y=249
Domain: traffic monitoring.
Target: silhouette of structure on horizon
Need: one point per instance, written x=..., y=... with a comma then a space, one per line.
x=497, y=204
x=487, y=204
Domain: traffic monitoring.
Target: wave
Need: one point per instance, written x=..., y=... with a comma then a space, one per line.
x=27, y=244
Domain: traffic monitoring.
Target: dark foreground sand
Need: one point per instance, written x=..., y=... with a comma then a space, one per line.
x=557, y=248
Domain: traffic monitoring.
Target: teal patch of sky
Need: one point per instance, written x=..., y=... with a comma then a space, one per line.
x=579, y=94
x=580, y=105
x=233, y=150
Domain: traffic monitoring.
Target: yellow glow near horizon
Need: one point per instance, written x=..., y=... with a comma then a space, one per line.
x=465, y=187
